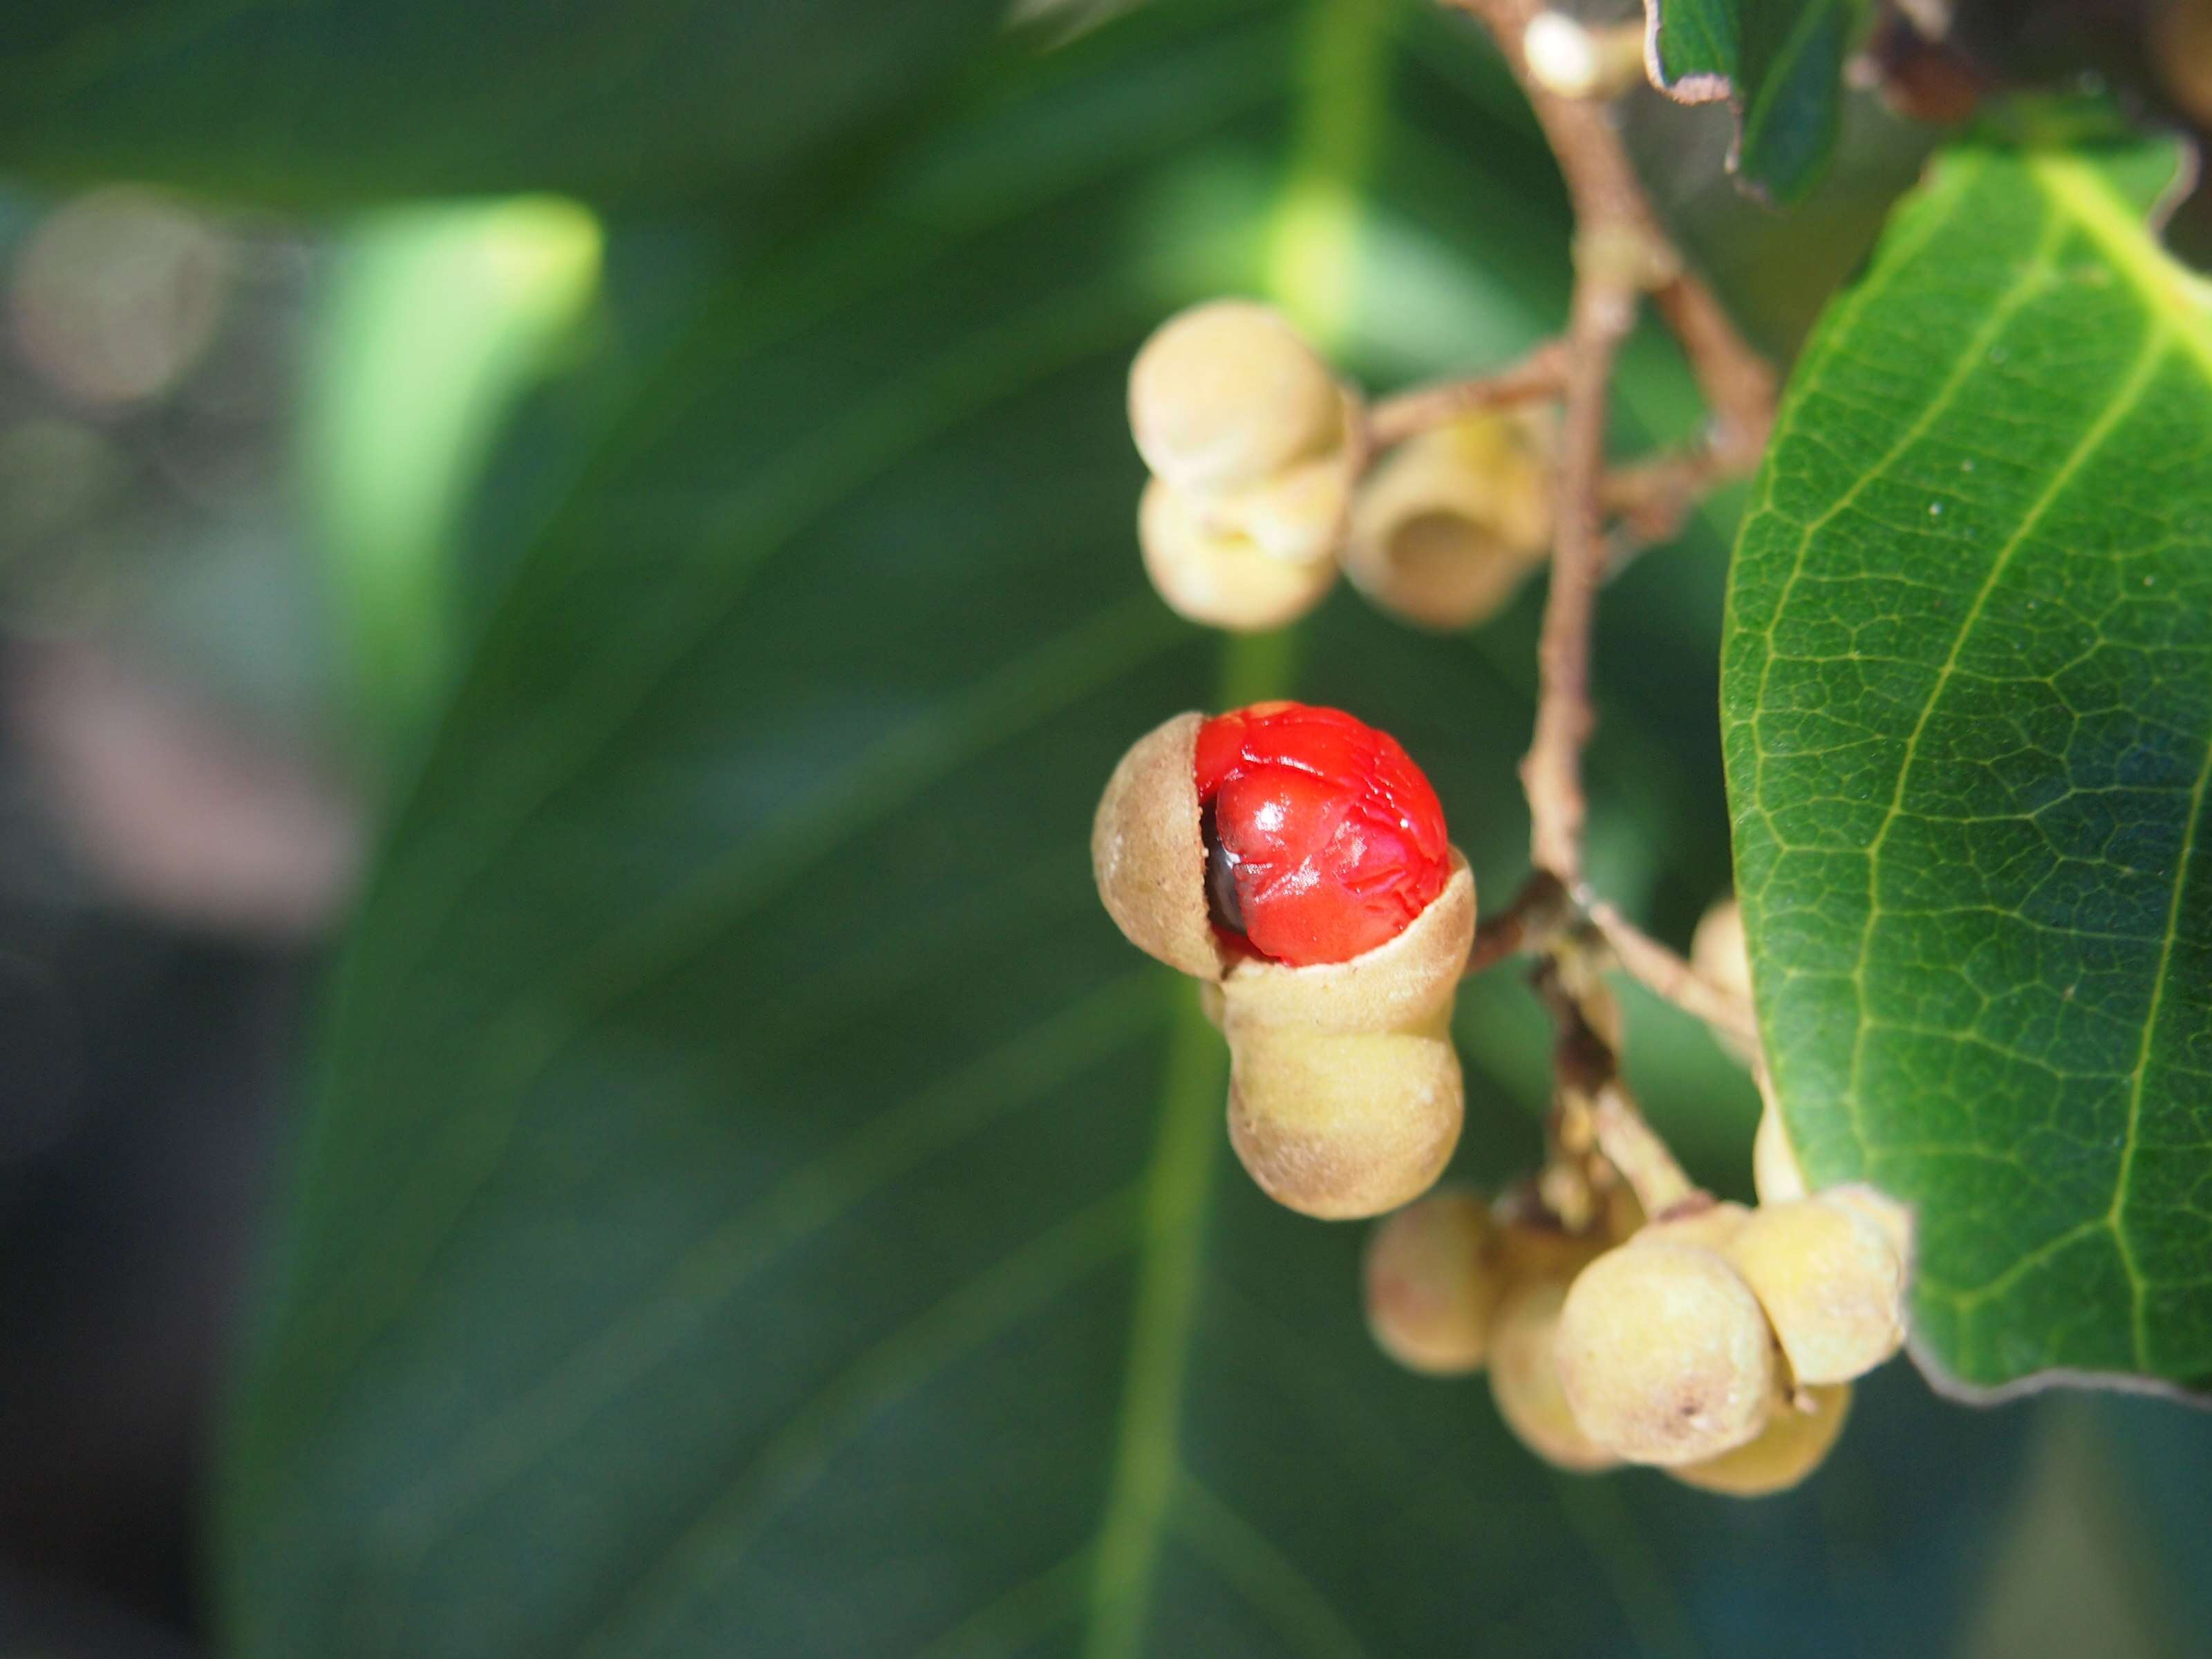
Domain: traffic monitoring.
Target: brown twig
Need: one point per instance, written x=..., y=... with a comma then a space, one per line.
x=1551, y=772
x=1666, y=975
x=1612, y=217
x=1634, y=1148
x=1645, y=501
x=1621, y=252
x=1652, y=499
x=1536, y=378
x=1529, y=923
x=1592, y=1114
x=1737, y=382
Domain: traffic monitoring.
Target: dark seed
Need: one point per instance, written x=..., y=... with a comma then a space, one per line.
x=1222, y=902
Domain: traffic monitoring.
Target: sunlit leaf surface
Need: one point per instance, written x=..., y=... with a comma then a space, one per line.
x=1968, y=700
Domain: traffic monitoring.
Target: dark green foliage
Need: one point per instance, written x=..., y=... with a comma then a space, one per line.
x=1968, y=701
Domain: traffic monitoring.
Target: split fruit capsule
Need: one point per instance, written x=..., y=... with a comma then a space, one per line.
x=1447, y=529
x=1293, y=859
x=1253, y=445
x=1227, y=395
x=1223, y=579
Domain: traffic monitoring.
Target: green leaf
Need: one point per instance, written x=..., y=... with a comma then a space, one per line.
x=316, y=101
x=1968, y=713
x=1779, y=63
x=436, y=320
x=755, y=1201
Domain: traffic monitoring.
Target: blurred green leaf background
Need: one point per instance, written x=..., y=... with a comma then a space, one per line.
x=747, y=1199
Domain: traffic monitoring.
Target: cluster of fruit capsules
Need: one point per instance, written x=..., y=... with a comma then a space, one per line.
x=1261, y=489
x=1293, y=860
x=1718, y=1343
x=1452, y=1287
x=1721, y=1343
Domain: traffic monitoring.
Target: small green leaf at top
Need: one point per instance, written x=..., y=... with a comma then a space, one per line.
x=1968, y=707
x=1779, y=63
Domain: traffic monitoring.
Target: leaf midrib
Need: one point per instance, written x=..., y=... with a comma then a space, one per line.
x=2183, y=304
x=1312, y=268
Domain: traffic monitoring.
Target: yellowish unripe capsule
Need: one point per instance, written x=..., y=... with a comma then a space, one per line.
x=1718, y=950
x=1712, y=1225
x=1776, y=1174
x=1795, y=1440
x=1296, y=514
x=1831, y=1283
x=1721, y=957
x=1221, y=578
x=1433, y=1274
x=1344, y=1092
x=1664, y=1353
x=1524, y=1377
x=1448, y=526
x=1884, y=1212
x=1228, y=393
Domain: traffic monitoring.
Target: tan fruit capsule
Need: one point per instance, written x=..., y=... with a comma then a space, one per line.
x=1524, y=1377
x=1432, y=1277
x=1721, y=957
x=1400, y=985
x=1447, y=528
x=1712, y=1225
x=1664, y=1353
x=1228, y=393
x=1884, y=1212
x=1210, y=1003
x=1345, y=1093
x=1296, y=514
x=1831, y=1283
x=1343, y=1125
x=1147, y=854
x=1221, y=578
x=1795, y=1440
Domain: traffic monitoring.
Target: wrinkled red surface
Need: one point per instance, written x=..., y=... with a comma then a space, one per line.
x=1335, y=839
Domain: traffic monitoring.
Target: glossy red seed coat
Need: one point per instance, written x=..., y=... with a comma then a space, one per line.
x=1335, y=839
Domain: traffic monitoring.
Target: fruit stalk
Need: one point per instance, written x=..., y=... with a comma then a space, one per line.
x=1621, y=253
x=1537, y=377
